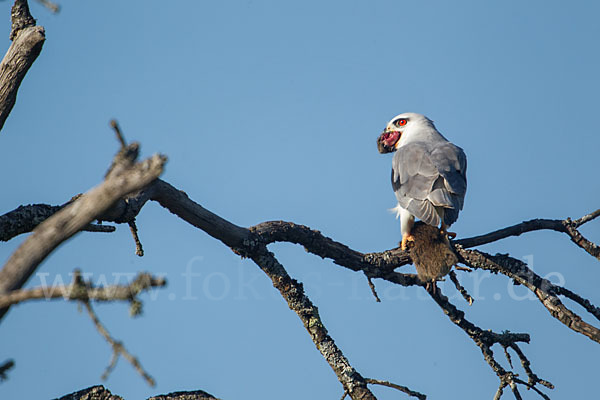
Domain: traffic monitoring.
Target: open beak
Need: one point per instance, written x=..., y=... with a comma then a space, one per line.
x=386, y=142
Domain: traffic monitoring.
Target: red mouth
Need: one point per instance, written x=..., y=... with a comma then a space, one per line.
x=386, y=143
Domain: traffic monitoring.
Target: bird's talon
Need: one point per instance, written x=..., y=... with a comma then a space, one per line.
x=405, y=239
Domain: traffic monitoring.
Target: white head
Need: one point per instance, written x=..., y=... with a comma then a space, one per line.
x=401, y=128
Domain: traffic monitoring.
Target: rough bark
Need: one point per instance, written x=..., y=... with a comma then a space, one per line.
x=24, y=219
x=28, y=40
x=101, y=393
x=91, y=393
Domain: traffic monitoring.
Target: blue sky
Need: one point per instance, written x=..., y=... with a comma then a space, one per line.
x=270, y=110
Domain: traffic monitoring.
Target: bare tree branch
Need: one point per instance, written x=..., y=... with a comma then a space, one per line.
x=587, y=218
x=24, y=219
x=485, y=340
x=139, y=250
x=53, y=7
x=533, y=378
x=108, y=202
x=373, y=290
x=460, y=288
x=85, y=291
x=251, y=243
x=178, y=202
x=100, y=393
x=120, y=137
x=565, y=226
x=126, y=177
x=117, y=348
x=545, y=290
x=401, y=388
x=194, y=395
x=91, y=393
x=28, y=40
x=293, y=292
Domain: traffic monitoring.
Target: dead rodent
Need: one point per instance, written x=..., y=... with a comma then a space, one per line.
x=431, y=252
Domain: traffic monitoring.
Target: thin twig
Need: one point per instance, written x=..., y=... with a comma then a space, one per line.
x=532, y=377
x=587, y=218
x=460, y=288
x=117, y=348
x=139, y=250
x=115, y=125
x=507, y=355
x=535, y=389
x=344, y=394
x=401, y=388
x=4, y=368
x=372, y=286
x=53, y=7
x=113, y=362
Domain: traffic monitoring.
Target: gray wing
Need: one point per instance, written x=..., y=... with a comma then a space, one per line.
x=430, y=175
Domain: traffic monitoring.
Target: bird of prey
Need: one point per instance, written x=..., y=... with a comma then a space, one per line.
x=428, y=173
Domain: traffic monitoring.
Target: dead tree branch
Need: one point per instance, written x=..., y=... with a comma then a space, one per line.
x=545, y=290
x=397, y=387
x=92, y=393
x=27, y=42
x=567, y=226
x=194, y=395
x=127, y=176
x=108, y=202
x=53, y=7
x=117, y=348
x=252, y=243
x=101, y=393
x=24, y=219
x=485, y=340
x=293, y=292
x=460, y=288
x=84, y=291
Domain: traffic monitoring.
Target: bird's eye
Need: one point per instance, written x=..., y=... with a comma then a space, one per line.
x=400, y=122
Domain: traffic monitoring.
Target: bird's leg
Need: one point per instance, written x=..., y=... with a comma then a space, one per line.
x=407, y=221
x=444, y=231
x=407, y=237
